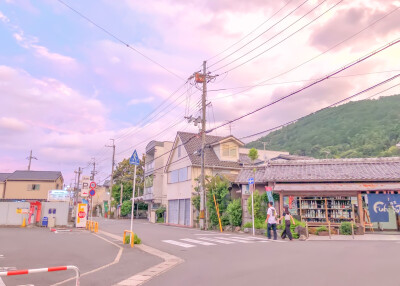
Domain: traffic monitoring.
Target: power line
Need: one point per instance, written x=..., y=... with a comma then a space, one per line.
x=254, y=31
x=329, y=106
x=295, y=32
x=297, y=81
x=310, y=85
x=317, y=56
x=119, y=39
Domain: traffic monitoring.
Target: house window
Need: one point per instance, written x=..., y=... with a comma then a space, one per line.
x=229, y=151
x=33, y=187
x=179, y=151
x=179, y=175
x=148, y=181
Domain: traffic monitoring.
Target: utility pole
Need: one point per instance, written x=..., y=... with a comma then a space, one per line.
x=79, y=172
x=94, y=170
x=203, y=142
x=30, y=160
x=112, y=175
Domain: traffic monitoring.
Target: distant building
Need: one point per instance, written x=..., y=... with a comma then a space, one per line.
x=154, y=192
x=30, y=185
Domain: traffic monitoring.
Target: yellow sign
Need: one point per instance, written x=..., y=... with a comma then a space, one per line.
x=81, y=214
x=19, y=211
x=201, y=215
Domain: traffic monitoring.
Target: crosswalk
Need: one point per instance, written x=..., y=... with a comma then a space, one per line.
x=217, y=240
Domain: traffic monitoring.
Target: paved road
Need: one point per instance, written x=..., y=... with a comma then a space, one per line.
x=38, y=247
x=262, y=263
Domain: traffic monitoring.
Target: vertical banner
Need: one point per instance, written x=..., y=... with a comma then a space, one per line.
x=394, y=201
x=269, y=194
x=81, y=212
x=378, y=207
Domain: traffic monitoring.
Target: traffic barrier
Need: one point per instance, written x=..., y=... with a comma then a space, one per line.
x=132, y=236
x=40, y=270
x=92, y=225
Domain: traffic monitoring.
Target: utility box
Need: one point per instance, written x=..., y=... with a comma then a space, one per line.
x=45, y=221
x=52, y=222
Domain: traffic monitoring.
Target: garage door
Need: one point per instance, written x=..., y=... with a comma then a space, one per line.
x=187, y=212
x=179, y=212
x=173, y=211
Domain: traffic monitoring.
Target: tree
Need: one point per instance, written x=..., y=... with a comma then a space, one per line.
x=253, y=154
x=220, y=188
x=124, y=174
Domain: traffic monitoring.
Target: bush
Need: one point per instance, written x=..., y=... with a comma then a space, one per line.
x=160, y=213
x=160, y=220
x=248, y=225
x=126, y=208
x=258, y=224
x=345, y=228
x=259, y=208
x=136, y=240
x=234, y=212
x=320, y=229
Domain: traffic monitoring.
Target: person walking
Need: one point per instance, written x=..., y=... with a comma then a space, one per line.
x=271, y=220
x=288, y=218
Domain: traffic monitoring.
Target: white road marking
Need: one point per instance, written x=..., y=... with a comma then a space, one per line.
x=1, y=282
x=198, y=241
x=210, y=234
x=186, y=245
x=216, y=240
x=234, y=240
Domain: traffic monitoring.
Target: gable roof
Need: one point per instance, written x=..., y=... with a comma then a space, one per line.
x=192, y=143
x=34, y=176
x=327, y=170
x=4, y=176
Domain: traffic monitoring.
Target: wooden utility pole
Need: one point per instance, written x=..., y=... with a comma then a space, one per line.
x=203, y=141
x=112, y=176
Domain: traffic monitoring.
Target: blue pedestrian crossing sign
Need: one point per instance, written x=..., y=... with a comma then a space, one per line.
x=251, y=181
x=134, y=160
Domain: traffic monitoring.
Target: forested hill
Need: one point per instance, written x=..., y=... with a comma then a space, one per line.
x=367, y=128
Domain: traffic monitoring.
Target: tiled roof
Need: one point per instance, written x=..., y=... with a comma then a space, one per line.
x=4, y=176
x=244, y=159
x=291, y=157
x=192, y=143
x=328, y=170
x=34, y=176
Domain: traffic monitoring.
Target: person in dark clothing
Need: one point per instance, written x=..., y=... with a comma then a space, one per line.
x=288, y=218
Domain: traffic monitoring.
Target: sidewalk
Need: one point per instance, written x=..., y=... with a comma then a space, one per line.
x=365, y=237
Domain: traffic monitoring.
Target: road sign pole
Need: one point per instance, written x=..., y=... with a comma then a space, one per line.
x=252, y=208
x=133, y=200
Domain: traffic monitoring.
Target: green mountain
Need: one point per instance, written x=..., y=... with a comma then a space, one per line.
x=366, y=128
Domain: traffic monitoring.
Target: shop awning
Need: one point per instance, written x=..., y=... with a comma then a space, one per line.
x=334, y=188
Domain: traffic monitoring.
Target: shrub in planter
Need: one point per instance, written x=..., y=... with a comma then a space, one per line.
x=137, y=240
x=321, y=229
x=345, y=228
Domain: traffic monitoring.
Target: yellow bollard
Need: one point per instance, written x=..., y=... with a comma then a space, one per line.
x=24, y=223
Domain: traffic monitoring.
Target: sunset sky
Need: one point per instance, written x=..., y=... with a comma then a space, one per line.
x=67, y=87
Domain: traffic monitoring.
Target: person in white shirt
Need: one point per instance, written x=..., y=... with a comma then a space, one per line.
x=271, y=221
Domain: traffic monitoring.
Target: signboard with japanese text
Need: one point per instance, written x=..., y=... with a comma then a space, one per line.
x=81, y=214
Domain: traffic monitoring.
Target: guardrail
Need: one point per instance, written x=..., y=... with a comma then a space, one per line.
x=92, y=225
x=40, y=270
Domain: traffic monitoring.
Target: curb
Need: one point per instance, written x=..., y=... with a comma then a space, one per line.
x=170, y=261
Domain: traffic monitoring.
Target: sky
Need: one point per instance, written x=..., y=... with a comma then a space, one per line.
x=67, y=87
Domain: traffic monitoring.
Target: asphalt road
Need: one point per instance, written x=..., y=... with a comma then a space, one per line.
x=265, y=263
x=39, y=248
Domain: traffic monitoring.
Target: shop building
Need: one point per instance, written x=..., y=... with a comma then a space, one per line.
x=330, y=191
